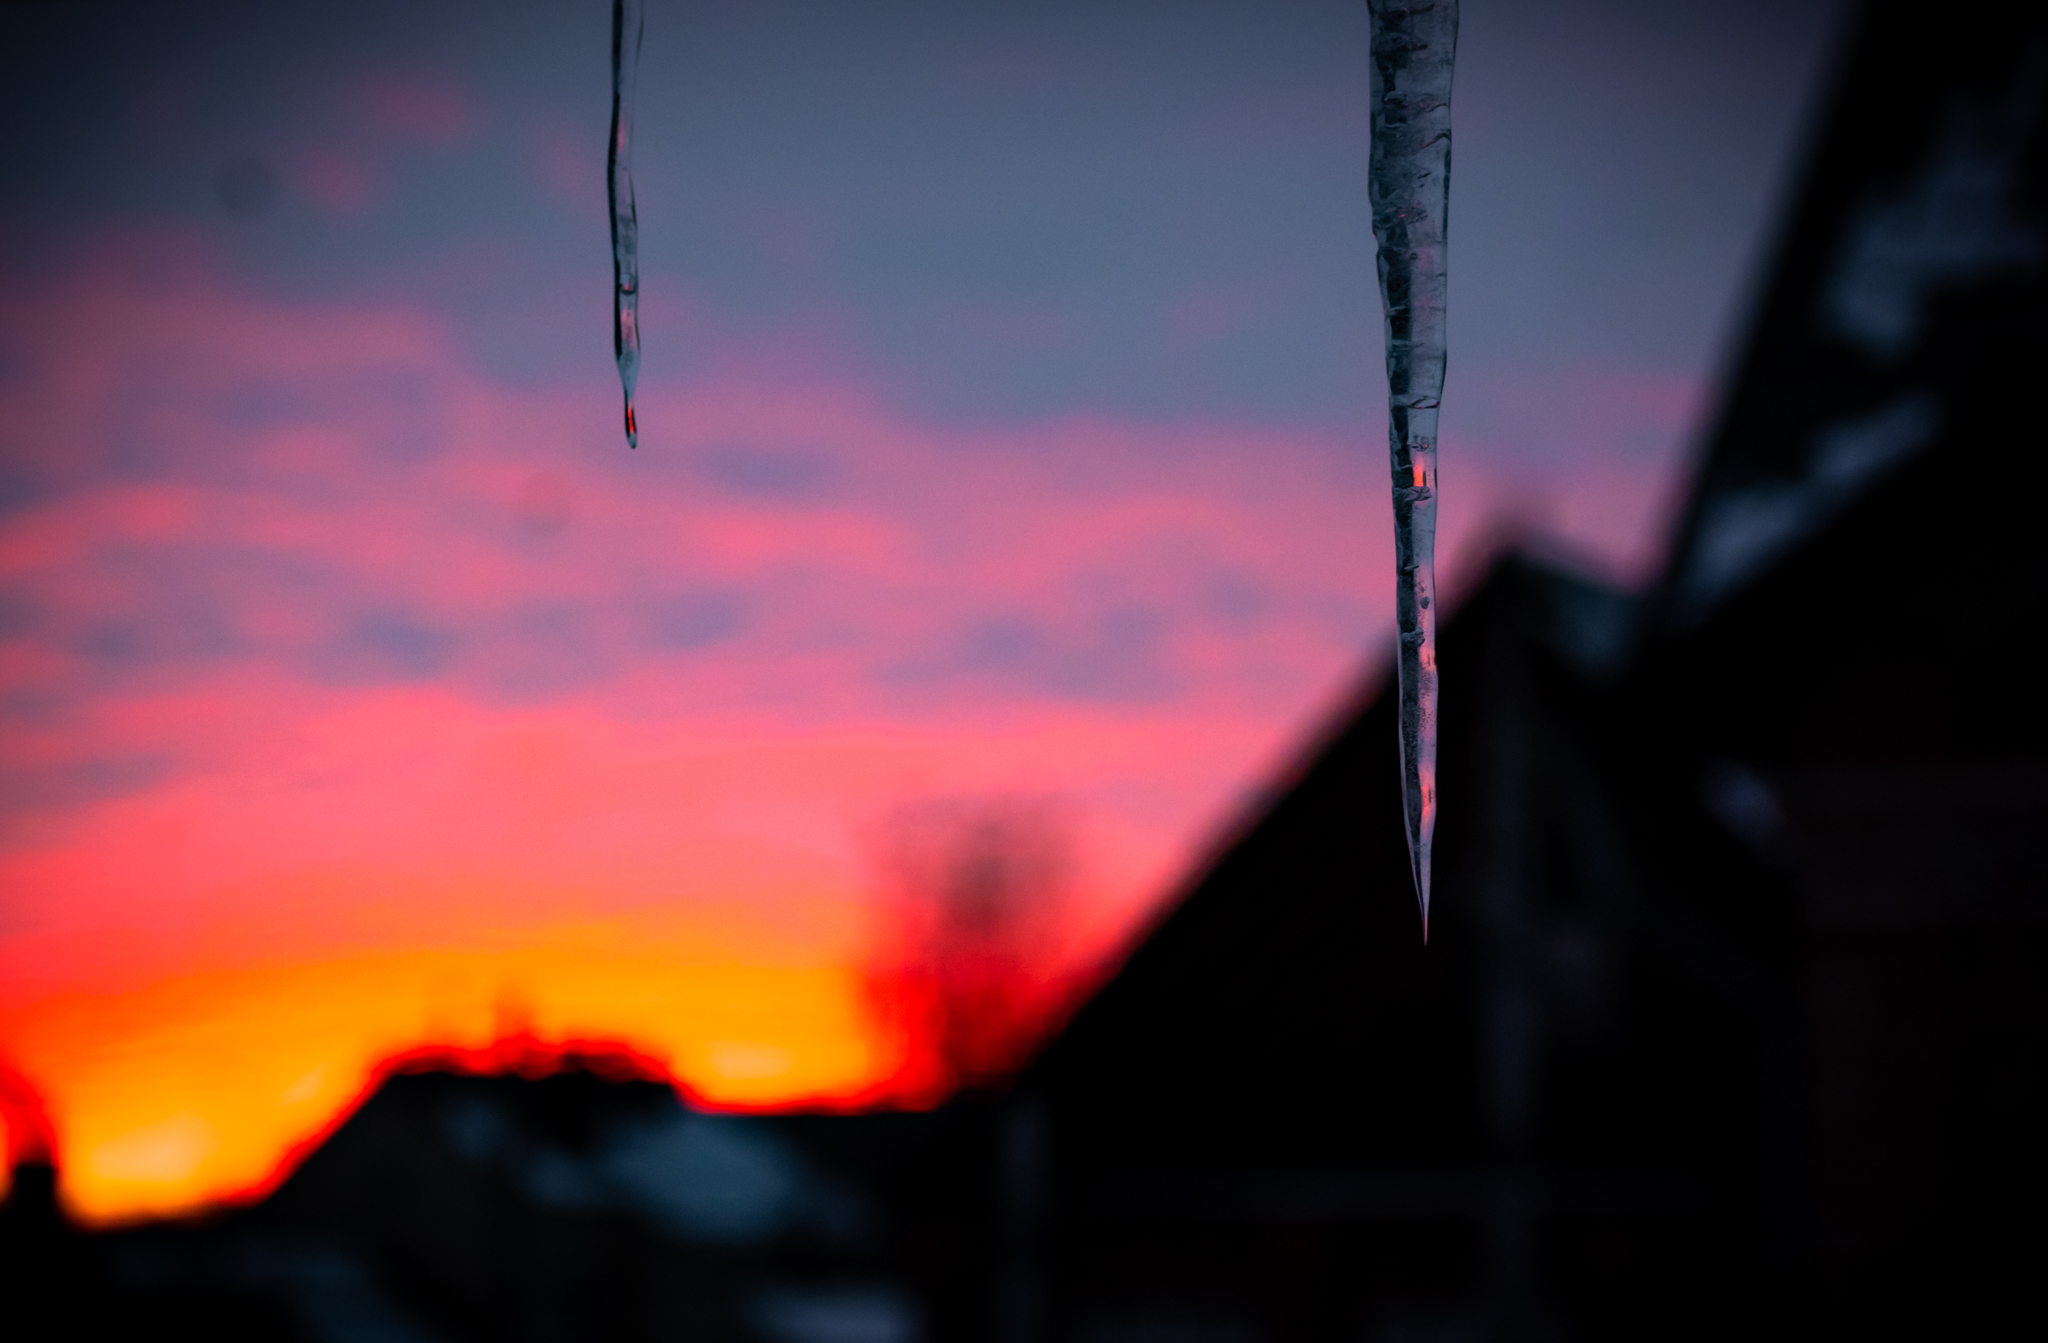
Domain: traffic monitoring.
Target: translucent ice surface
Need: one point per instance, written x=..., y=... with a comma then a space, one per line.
x=1413, y=43
x=626, y=25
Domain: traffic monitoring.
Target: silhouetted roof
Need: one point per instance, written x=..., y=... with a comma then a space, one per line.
x=1907, y=282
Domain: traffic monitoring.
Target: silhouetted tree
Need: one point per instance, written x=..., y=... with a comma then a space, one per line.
x=967, y=967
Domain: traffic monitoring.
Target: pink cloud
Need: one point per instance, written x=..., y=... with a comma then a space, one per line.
x=568, y=172
x=271, y=675
x=337, y=181
x=272, y=656
x=1217, y=313
x=424, y=107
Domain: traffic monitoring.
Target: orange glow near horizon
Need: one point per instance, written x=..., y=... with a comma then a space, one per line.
x=322, y=753
x=204, y=1088
x=354, y=702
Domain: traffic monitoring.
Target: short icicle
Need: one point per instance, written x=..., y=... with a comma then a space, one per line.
x=626, y=26
x=1413, y=43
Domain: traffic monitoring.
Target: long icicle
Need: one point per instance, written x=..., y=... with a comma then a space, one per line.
x=1413, y=44
x=626, y=26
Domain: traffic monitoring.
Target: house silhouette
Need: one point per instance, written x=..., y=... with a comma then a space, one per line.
x=1735, y=1010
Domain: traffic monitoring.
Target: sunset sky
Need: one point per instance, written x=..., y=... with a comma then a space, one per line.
x=1012, y=436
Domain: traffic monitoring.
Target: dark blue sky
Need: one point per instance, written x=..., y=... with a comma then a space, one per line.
x=996, y=210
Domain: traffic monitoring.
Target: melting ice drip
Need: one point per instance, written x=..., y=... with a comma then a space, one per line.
x=1413, y=42
x=626, y=24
